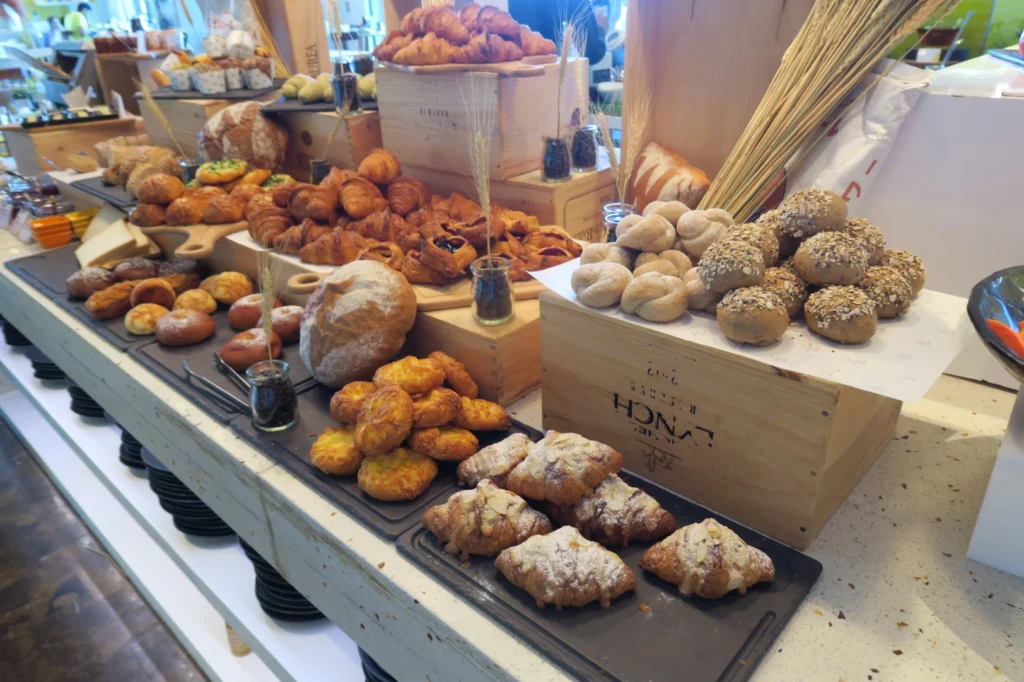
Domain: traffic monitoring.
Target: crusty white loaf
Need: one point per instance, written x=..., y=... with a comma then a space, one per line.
x=663, y=175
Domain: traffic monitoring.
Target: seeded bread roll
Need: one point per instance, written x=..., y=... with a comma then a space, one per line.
x=600, y=285
x=909, y=265
x=831, y=258
x=700, y=297
x=789, y=287
x=842, y=314
x=731, y=265
x=888, y=289
x=787, y=245
x=869, y=236
x=811, y=211
x=761, y=237
x=752, y=315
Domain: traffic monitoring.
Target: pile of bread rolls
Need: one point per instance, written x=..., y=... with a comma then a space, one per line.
x=806, y=258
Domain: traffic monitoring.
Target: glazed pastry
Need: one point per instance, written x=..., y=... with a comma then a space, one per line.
x=698, y=230
x=761, y=237
x=563, y=468
x=407, y=194
x=285, y=321
x=245, y=349
x=565, y=569
x=186, y=210
x=671, y=211
x=475, y=231
x=388, y=253
x=196, y=299
x=708, y=560
x=843, y=314
x=515, y=222
x=335, y=452
x=671, y=262
x=698, y=295
x=655, y=297
x=547, y=257
x=160, y=188
x=484, y=521
x=909, y=265
x=87, y=281
x=600, y=285
x=141, y=320
x=598, y=253
x=443, y=443
x=147, y=215
x=463, y=209
x=227, y=287
x=436, y=407
x=247, y=311
x=359, y=197
x=787, y=286
x=869, y=236
x=114, y=301
x=831, y=258
x=418, y=273
x=888, y=289
x=224, y=210
x=455, y=375
x=810, y=211
x=447, y=255
x=650, y=233
x=340, y=247
x=396, y=476
x=184, y=327
x=220, y=172
x=136, y=268
x=731, y=265
x=346, y=403
x=384, y=421
x=753, y=315
x=380, y=167
x=267, y=224
x=495, y=461
x=478, y=414
x=547, y=237
x=315, y=203
x=410, y=374
x=153, y=290
x=615, y=514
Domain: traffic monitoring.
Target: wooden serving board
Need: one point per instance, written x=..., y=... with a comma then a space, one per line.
x=527, y=67
x=199, y=239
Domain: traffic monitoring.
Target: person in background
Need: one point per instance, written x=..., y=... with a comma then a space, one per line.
x=77, y=23
x=547, y=17
x=55, y=34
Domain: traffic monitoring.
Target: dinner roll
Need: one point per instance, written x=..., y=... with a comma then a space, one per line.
x=655, y=297
x=600, y=285
x=831, y=258
x=753, y=315
x=843, y=314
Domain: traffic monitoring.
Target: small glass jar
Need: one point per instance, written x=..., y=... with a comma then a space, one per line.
x=346, y=89
x=189, y=167
x=272, y=400
x=584, y=148
x=493, y=298
x=613, y=213
x=557, y=161
x=318, y=170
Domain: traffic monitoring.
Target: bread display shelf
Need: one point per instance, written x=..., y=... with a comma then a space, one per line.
x=200, y=239
x=627, y=641
x=47, y=271
x=167, y=92
x=527, y=67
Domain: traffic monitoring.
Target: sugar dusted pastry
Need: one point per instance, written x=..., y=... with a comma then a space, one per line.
x=477, y=414
x=600, y=285
x=709, y=560
x=909, y=265
x=888, y=289
x=831, y=258
x=563, y=468
x=843, y=314
x=615, y=514
x=396, y=476
x=753, y=315
x=655, y=297
x=495, y=461
x=811, y=211
x=565, y=569
x=410, y=374
x=455, y=375
x=444, y=443
x=484, y=521
x=384, y=421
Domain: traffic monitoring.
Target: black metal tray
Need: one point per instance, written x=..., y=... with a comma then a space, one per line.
x=291, y=448
x=48, y=270
x=165, y=362
x=675, y=638
x=167, y=92
x=112, y=194
x=283, y=106
x=113, y=331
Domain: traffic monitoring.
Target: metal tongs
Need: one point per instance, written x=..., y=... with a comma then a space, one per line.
x=237, y=379
x=223, y=395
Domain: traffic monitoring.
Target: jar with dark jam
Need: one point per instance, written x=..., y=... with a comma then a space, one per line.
x=493, y=299
x=557, y=161
x=584, y=148
x=272, y=400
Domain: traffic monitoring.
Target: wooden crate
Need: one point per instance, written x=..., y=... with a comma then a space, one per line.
x=186, y=118
x=424, y=118
x=773, y=449
x=575, y=205
x=34, y=148
x=309, y=131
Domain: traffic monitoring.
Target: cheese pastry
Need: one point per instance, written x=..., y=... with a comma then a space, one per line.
x=455, y=375
x=410, y=374
x=346, y=403
x=384, y=421
x=445, y=443
x=477, y=414
x=396, y=476
x=436, y=407
x=335, y=452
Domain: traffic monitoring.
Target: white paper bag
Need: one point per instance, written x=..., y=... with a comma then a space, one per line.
x=851, y=154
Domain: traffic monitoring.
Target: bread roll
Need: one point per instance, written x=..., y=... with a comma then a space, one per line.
x=731, y=265
x=650, y=233
x=154, y=290
x=869, y=236
x=671, y=262
x=600, y=285
x=247, y=311
x=698, y=230
x=909, y=265
x=196, y=299
x=831, y=258
x=625, y=223
x=672, y=211
x=247, y=348
x=142, y=319
x=700, y=297
x=227, y=287
x=284, y=322
x=597, y=253
x=655, y=297
x=184, y=327
x=87, y=281
x=761, y=237
x=843, y=314
x=753, y=315
x=788, y=287
x=136, y=268
x=160, y=188
x=888, y=289
x=810, y=211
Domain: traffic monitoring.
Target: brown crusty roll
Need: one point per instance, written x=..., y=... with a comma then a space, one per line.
x=224, y=210
x=380, y=167
x=247, y=311
x=184, y=327
x=154, y=290
x=186, y=210
x=160, y=188
x=87, y=281
x=247, y=348
x=147, y=215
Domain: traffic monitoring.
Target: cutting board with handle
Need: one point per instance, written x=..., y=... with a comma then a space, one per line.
x=199, y=239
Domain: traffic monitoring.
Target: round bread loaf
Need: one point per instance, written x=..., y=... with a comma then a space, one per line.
x=731, y=265
x=184, y=327
x=143, y=318
x=196, y=299
x=284, y=322
x=600, y=285
x=355, y=321
x=761, y=237
x=655, y=297
x=247, y=348
x=136, y=268
x=831, y=258
x=789, y=287
x=240, y=132
x=842, y=314
x=87, y=281
x=227, y=287
x=909, y=265
x=597, y=253
x=753, y=315
x=888, y=289
x=154, y=290
x=811, y=211
x=869, y=236
x=247, y=311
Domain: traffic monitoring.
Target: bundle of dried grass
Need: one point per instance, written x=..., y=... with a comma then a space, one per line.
x=146, y=95
x=268, y=41
x=609, y=145
x=637, y=106
x=562, y=60
x=841, y=41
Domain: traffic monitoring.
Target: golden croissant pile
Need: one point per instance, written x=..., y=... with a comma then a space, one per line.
x=376, y=213
x=475, y=35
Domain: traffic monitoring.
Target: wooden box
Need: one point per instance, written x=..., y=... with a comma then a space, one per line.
x=35, y=148
x=575, y=205
x=186, y=117
x=308, y=134
x=425, y=118
x=775, y=450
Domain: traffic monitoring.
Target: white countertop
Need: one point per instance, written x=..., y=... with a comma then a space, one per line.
x=895, y=575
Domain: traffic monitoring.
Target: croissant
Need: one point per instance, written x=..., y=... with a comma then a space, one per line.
x=563, y=468
x=396, y=40
x=380, y=167
x=289, y=241
x=440, y=204
x=468, y=16
x=407, y=194
x=359, y=197
x=535, y=44
x=409, y=239
x=565, y=569
x=257, y=203
x=428, y=50
x=418, y=273
x=338, y=248
x=495, y=461
x=223, y=210
x=267, y=224
x=552, y=236
x=484, y=521
x=283, y=192
x=388, y=253
x=709, y=560
x=475, y=51
x=316, y=203
x=493, y=20
x=614, y=514
x=448, y=255
x=381, y=226
x=336, y=178
x=462, y=209
x=501, y=50
x=444, y=23
x=185, y=211
x=411, y=21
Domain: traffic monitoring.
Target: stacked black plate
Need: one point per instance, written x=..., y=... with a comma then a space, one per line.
x=276, y=596
x=373, y=671
x=82, y=403
x=131, y=451
x=191, y=515
x=12, y=336
x=43, y=367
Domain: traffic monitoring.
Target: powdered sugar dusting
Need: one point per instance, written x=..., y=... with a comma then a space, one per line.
x=495, y=461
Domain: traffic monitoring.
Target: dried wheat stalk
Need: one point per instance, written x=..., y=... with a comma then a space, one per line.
x=267, y=295
x=159, y=116
x=481, y=117
x=562, y=59
x=268, y=42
